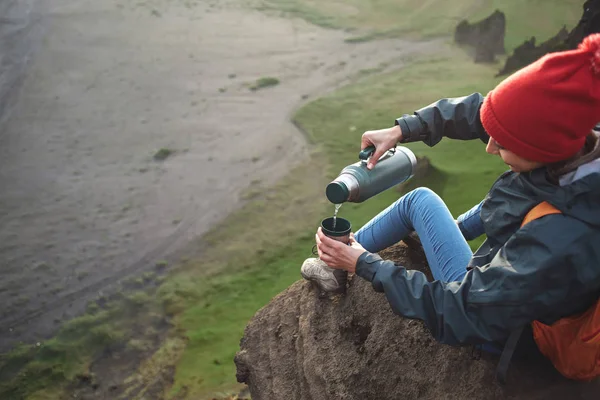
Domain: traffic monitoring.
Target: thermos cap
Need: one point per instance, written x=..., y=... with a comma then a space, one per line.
x=337, y=192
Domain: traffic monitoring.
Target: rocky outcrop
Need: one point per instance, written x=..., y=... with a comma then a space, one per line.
x=308, y=346
x=486, y=36
x=529, y=52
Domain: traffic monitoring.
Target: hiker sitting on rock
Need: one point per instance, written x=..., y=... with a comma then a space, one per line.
x=540, y=122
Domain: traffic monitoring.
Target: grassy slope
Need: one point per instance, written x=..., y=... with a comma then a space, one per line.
x=422, y=18
x=44, y=368
x=257, y=251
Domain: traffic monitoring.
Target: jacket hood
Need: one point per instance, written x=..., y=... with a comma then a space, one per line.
x=514, y=194
x=578, y=197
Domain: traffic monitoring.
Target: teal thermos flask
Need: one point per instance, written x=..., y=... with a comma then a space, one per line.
x=356, y=183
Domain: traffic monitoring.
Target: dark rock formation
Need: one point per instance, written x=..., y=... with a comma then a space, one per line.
x=528, y=52
x=307, y=346
x=486, y=36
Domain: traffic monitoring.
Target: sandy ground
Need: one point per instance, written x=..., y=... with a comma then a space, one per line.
x=17, y=33
x=83, y=204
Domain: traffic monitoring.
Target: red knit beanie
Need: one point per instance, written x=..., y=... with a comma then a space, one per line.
x=544, y=111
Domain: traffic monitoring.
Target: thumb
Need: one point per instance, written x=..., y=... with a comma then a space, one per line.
x=375, y=157
x=354, y=244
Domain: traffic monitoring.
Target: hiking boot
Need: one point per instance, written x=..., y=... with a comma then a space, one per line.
x=326, y=278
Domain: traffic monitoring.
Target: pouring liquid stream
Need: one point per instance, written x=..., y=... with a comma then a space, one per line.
x=337, y=208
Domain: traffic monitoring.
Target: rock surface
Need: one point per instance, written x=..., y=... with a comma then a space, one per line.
x=486, y=36
x=308, y=346
x=529, y=52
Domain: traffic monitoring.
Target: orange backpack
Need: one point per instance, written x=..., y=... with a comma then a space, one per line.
x=571, y=343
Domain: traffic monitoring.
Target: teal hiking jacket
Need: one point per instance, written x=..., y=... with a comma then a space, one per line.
x=544, y=271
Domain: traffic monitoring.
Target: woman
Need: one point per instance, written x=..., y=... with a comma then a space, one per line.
x=540, y=122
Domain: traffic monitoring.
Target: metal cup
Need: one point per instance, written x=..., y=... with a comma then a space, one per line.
x=342, y=229
x=341, y=233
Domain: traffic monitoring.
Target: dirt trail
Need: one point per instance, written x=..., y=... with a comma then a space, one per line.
x=82, y=201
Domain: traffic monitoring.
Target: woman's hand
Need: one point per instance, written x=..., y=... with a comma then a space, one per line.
x=337, y=254
x=382, y=139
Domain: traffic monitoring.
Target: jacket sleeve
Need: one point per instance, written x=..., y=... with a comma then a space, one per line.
x=455, y=118
x=529, y=276
x=470, y=223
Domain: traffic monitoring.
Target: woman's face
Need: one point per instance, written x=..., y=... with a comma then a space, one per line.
x=515, y=162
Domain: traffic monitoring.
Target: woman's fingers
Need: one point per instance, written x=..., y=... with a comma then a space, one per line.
x=365, y=141
x=331, y=261
x=335, y=253
x=319, y=250
x=327, y=259
x=328, y=254
x=323, y=245
x=382, y=139
x=325, y=241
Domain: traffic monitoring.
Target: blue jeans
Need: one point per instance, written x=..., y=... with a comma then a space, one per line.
x=423, y=211
x=444, y=241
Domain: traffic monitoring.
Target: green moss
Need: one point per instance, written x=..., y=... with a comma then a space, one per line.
x=262, y=83
x=52, y=364
x=162, y=154
x=138, y=299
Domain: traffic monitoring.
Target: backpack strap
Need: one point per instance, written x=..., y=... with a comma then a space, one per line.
x=541, y=210
x=507, y=353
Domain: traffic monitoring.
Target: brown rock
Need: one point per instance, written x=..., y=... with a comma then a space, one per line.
x=306, y=347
